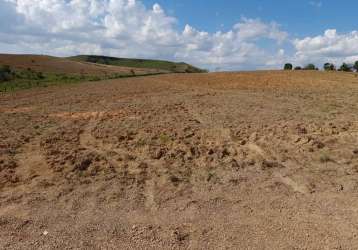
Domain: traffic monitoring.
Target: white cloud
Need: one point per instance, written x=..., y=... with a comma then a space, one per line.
x=254, y=28
x=329, y=47
x=128, y=28
x=317, y=4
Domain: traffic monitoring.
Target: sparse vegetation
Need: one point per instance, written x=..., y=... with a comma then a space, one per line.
x=324, y=158
x=164, y=139
x=11, y=80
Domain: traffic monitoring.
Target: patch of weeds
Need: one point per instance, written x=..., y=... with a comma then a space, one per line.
x=141, y=142
x=212, y=177
x=95, y=79
x=164, y=139
x=324, y=158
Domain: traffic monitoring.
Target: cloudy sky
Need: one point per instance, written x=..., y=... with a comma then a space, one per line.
x=217, y=35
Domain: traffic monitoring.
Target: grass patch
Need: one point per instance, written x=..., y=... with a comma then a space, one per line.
x=164, y=139
x=324, y=158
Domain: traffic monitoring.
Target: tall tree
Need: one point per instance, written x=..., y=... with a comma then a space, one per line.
x=356, y=66
x=346, y=68
x=329, y=67
x=288, y=66
x=310, y=67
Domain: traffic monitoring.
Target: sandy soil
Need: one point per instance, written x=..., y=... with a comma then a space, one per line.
x=265, y=160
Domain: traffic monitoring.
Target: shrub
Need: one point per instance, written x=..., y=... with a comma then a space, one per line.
x=298, y=68
x=288, y=66
x=6, y=73
x=39, y=75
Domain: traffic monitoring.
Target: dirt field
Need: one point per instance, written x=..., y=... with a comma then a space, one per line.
x=264, y=160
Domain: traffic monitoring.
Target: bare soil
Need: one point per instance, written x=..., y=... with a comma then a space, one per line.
x=256, y=160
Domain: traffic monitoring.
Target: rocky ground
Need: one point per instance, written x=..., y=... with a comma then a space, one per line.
x=263, y=160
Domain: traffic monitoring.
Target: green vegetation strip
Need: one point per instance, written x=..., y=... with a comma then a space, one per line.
x=175, y=67
x=11, y=80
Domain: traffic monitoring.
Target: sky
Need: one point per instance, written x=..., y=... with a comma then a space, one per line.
x=216, y=35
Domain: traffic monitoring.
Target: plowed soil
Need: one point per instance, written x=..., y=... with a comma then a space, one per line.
x=256, y=160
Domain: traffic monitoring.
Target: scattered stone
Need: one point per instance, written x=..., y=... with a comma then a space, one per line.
x=318, y=144
x=157, y=153
x=301, y=130
x=235, y=164
x=270, y=164
x=83, y=166
x=243, y=142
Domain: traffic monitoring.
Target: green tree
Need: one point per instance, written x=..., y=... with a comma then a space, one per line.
x=346, y=68
x=310, y=66
x=356, y=66
x=329, y=67
x=288, y=66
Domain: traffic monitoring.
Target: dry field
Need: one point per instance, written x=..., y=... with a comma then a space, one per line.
x=256, y=160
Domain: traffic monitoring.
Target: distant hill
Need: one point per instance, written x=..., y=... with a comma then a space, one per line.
x=51, y=64
x=172, y=67
x=28, y=71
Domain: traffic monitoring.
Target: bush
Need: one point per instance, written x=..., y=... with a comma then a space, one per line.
x=6, y=73
x=329, y=67
x=288, y=66
x=298, y=68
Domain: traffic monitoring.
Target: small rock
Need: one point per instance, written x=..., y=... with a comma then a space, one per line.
x=243, y=142
x=83, y=165
x=235, y=164
x=319, y=144
x=157, y=154
x=271, y=164
x=45, y=233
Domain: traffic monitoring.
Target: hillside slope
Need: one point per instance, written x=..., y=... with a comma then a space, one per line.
x=139, y=63
x=51, y=64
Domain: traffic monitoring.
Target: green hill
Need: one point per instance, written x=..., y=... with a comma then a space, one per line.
x=139, y=63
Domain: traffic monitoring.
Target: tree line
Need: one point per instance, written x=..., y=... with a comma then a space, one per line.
x=327, y=67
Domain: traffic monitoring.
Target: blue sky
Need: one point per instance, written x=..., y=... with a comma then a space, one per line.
x=217, y=35
x=304, y=18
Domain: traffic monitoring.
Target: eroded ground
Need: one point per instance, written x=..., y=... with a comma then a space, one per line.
x=263, y=160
